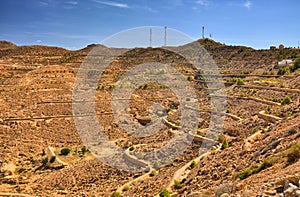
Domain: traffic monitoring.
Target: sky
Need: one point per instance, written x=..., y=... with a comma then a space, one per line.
x=74, y=24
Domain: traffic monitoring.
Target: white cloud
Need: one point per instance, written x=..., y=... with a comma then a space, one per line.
x=113, y=4
x=247, y=4
x=203, y=2
x=72, y=2
x=43, y=3
x=38, y=41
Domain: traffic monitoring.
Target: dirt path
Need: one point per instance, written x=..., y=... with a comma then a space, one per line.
x=56, y=158
x=183, y=172
x=140, y=178
x=14, y=194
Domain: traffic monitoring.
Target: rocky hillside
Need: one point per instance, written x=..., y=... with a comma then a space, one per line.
x=257, y=153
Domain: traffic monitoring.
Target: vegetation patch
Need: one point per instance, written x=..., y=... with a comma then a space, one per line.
x=193, y=164
x=286, y=100
x=164, y=193
x=254, y=170
x=65, y=151
x=116, y=194
x=177, y=184
x=293, y=153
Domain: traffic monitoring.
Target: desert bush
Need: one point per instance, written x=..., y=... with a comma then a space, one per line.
x=283, y=71
x=65, y=151
x=116, y=194
x=140, y=156
x=52, y=159
x=21, y=170
x=286, y=100
x=268, y=109
x=164, y=193
x=200, y=71
x=177, y=184
x=44, y=161
x=293, y=153
x=131, y=148
x=253, y=170
x=156, y=165
x=84, y=150
x=193, y=164
x=240, y=81
x=246, y=72
x=125, y=188
x=152, y=173
x=282, y=86
x=296, y=65
x=224, y=144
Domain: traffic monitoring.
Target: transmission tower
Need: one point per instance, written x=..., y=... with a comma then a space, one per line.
x=165, y=44
x=150, y=37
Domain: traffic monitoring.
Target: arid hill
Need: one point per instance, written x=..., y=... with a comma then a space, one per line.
x=256, y=154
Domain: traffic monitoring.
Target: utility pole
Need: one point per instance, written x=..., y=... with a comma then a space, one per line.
x=150, y=37
x=165, y=44
x=203, y=32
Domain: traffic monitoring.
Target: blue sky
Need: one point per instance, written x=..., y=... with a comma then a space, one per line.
x=74, y=24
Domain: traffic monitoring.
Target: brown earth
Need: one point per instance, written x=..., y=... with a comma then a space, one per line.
x=36, y=85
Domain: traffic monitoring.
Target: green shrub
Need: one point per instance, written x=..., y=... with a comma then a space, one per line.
x=125, y=188
x=193, y=164
x=140, y=156
x=200, y=71
x=283, y=71
x=131, y=148
x=65, y=151
x=253, y=170
x=156, y=165
x=52, y=159
x=296, y=65
x=164, y=193
x=44, y=161
x=224, y=144
x=286, y=100
x=177, y=184
x=293, y=153
x=268, y=110
x=246, y=72
x=21, y=170
x=84, y=150
x=152, y=173
x=116, y=194
x=240, y=81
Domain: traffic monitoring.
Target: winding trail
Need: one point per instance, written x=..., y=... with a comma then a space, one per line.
x=140, y=178
x=14, y=194
x=56, y=158
x=183, y=172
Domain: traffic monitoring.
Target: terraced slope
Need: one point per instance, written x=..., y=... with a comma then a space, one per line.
x=257, y=152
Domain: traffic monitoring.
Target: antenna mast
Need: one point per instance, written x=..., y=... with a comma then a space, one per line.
x=203, y=32
x=165, y=44
x=150, y=37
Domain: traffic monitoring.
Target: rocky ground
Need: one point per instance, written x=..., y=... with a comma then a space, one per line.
x=256, y=155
